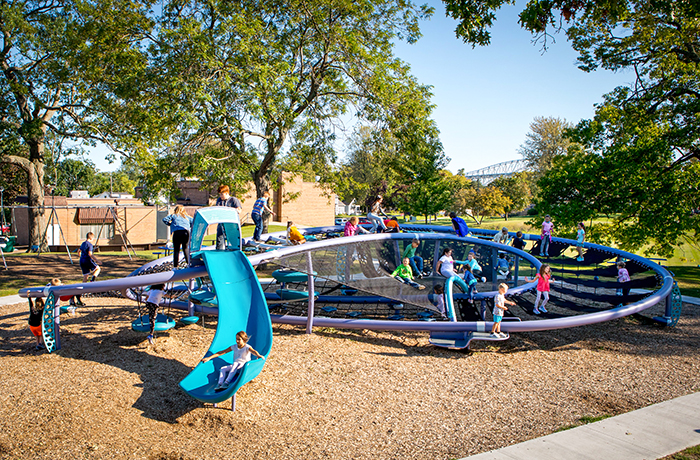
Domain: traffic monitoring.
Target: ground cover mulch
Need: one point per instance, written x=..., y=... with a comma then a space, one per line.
x=37, y=270
x=333, y=394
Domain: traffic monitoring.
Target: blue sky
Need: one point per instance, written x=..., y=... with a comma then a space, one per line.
x=487, y=97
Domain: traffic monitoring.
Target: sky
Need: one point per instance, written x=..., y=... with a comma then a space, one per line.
x=487, y=97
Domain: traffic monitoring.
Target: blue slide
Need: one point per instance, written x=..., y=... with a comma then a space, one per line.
x=242, y=307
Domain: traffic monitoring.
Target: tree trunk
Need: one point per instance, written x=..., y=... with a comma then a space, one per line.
x=35, y=194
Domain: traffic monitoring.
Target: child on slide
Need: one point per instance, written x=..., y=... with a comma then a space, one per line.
x=241, y=355
x=404, y=274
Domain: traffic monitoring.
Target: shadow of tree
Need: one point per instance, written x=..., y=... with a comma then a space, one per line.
x=103, y=338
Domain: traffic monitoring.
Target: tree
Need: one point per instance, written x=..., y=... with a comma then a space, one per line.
x=368, y=167
x=545, y=140
x=517, y=189
x=425, y=188
x=58, y=61
x=257, y=82
x=639, y=160
x=484, y=201
x=113, y=182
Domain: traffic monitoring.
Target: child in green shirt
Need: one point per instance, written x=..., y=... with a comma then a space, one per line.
x=404, y=274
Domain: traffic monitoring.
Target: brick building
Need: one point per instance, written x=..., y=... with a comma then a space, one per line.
x=309, y=206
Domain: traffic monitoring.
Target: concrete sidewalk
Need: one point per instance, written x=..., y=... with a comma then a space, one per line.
x=11, y=300
x=645, y=434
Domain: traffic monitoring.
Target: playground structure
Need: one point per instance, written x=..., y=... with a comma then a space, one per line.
x=345, y=283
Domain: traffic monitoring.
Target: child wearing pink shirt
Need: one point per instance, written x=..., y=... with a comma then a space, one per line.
x=543, y=278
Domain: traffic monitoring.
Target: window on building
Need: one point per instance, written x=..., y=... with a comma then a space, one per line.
x=107, y=230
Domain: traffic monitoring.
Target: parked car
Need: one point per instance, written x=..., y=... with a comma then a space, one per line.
x=340, y=220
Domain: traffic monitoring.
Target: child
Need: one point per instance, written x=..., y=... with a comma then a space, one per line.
x=180, y=224
x=260, y=206
x=241, y=355
x=543, y=278
x=416, y=261
x=499, y=308
x=373, y=215
x=294, y=236
x=474, y=265
x=580, y=238
x=459, y=225
x=72, y=304
x=404, y=274
x=155, y=295
x=518, y=241
x=502, y=237
x=470, y=279
x=546, y=236
x=36, y=313
x=88, y=264
x=352, y=227
x=623, y=276
x=446, y=264
x=225, y=199
x=392, y=225
x=503, y=266
x=440, y=299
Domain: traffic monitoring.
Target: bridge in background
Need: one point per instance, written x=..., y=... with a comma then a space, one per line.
x=488, y=174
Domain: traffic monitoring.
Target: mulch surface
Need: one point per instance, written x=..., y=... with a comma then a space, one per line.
x=57, y=265
x=335, y=394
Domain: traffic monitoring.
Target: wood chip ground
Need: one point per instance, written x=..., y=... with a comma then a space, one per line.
x=334, y=394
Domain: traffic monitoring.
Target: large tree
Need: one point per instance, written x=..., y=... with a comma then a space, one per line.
x=368, y=166
x=424, y=188
x=256, y=82
x=65, y=67
x=545, y=141
x=639, y=162
x=517, y=189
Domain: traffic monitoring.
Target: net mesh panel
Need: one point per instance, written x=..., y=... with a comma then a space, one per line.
x=365, y=266
x=344, y=310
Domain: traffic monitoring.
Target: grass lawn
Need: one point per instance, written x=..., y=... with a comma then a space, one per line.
x=691, y=453
x=116, y=265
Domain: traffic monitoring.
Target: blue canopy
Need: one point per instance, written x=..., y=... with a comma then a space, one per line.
x=224, y=216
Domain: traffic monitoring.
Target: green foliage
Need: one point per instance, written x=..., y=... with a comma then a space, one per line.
x=368, y=167
x=425, y=188
x=247, y=81
x=638, y=166
x=484, y=201
x=543, y=143
x=517, y=189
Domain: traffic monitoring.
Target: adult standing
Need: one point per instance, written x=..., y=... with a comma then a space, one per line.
x=180, y=224
x=225, y=199
x=259, y=207
x=373, y=215
x=460, y=226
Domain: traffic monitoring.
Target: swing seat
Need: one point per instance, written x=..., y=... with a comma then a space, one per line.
x=291, y=294
x=163, y=323
x=289, y=276
x=187, y=320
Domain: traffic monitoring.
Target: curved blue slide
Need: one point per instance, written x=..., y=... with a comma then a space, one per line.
x=242, y=307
